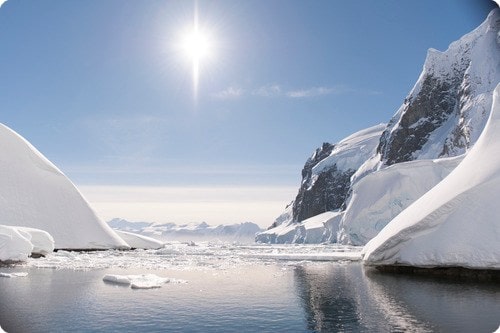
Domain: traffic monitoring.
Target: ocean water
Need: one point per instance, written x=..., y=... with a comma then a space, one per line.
x=232, y=289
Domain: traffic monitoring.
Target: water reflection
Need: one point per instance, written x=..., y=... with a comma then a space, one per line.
x=349, y=298
x=444, y=305
x=328, y=297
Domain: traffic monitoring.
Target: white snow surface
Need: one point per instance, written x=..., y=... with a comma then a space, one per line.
x=137, y=241
x=353, y=151
x=34, y=193
x=457, y=222
x=380, y=196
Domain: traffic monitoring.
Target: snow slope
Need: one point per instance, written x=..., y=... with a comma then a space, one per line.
x=457, y=222
x=34, y=193
x=380, y=196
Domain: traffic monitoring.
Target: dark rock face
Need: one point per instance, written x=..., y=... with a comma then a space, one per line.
x=323, y=192
x=431, y=107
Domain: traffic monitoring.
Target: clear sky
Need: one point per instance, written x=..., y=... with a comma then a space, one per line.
x=104, y=90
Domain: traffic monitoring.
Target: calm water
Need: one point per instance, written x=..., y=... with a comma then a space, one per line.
x=243, y=296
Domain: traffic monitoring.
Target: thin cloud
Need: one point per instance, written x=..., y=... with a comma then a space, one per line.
x=268, y=90
x=2, y=2
x=276, y=90
x=317, y=91
x=229, y=93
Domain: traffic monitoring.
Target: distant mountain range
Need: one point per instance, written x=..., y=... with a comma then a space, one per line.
x=241, y=233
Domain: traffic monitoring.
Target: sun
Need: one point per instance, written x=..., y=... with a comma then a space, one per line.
x=197, y=47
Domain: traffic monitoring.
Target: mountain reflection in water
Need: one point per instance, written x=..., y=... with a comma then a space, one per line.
x=350, y=298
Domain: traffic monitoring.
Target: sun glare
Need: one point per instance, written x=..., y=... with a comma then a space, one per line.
x=197, y=46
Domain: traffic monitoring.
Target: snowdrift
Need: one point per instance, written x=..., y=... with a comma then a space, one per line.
x=457, y=222
x=34, y=193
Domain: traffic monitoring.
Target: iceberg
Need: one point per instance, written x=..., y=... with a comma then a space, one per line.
x=34, y=193
x=457, y=222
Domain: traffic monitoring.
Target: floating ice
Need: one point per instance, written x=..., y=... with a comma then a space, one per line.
x=142, y=281
x=204, y=256
x=11, y=275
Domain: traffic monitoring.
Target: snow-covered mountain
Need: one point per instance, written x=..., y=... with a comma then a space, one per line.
x=242, y=232
x=35, y=193
x=439, y=121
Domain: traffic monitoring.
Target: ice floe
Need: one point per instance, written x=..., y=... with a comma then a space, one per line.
x=141, y=281
x=12, y=275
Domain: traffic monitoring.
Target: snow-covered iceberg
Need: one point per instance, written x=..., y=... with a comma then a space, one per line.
x=457, y=222
x=35, y=193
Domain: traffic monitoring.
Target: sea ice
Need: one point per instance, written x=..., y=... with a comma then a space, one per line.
x=142, y=281
x=11, y=275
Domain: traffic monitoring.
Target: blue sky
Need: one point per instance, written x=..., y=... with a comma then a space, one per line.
x=101, y=89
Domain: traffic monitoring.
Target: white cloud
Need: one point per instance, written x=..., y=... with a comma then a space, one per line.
x=274, y=90
x=229, y=93
x=317, y=91
x=268, y=90
x=2, y=2
x=215, y=205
